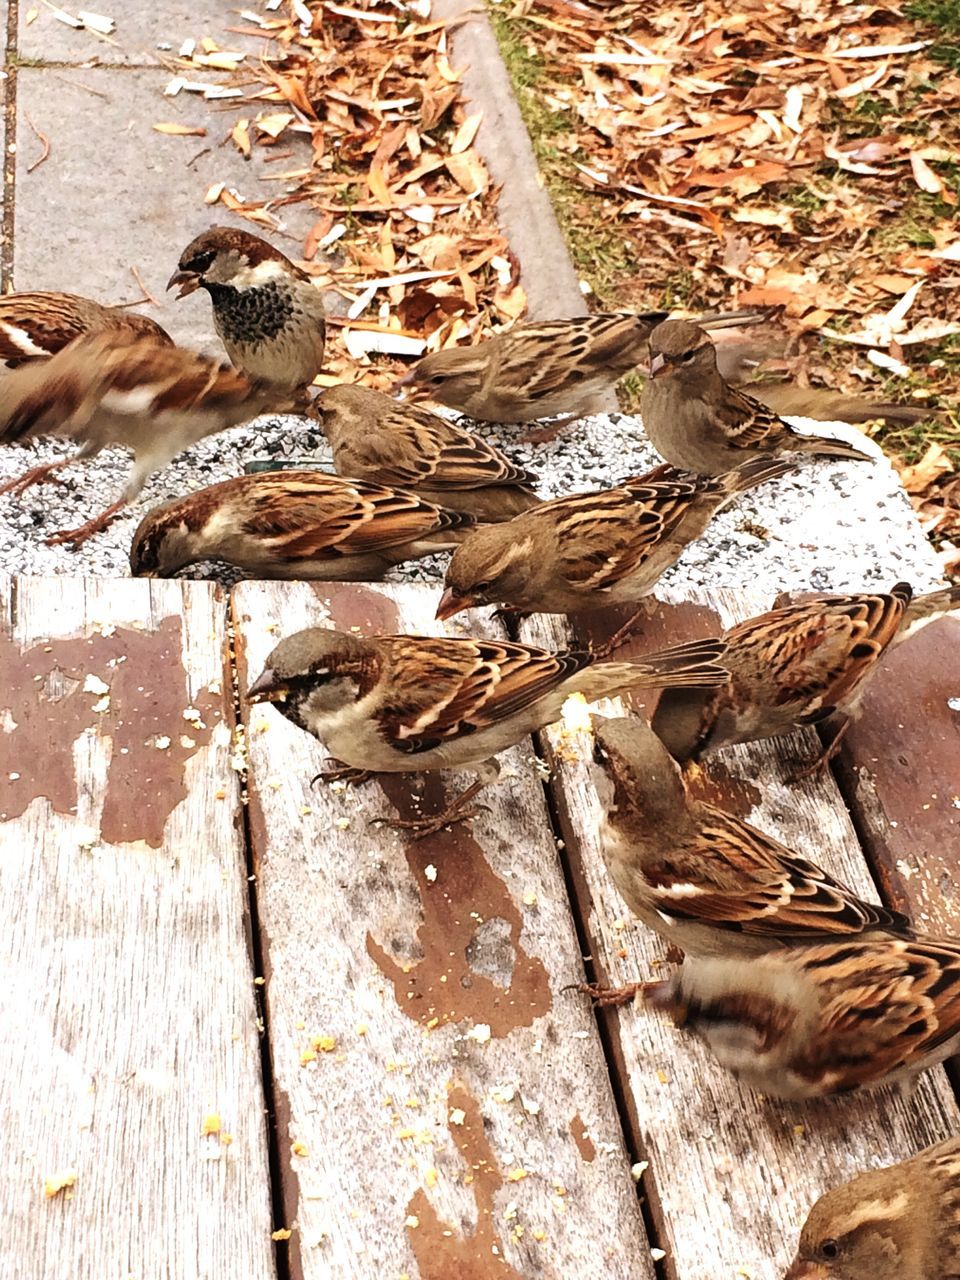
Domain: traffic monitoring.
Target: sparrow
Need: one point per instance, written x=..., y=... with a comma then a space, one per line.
x=294, y=524
x=547, y=367
x=34, y=326
x=828, y=405
x=267, y=311
x=897, y=1223
x=409, y=704
x=374, y=437
x=705, y=880
x=805, y=663
x=593, y=549
x=696, y=420
x=115, y=388
x=809, y=1022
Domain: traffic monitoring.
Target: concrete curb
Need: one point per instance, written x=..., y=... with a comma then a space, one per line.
x=525, y=212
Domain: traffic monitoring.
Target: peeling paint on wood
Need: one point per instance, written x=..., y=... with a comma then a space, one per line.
x=127, y=1001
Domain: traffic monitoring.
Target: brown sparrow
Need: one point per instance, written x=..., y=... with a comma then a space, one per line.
x=806, y=663
x=703, y=879
x=114, y=388
x=294, y=524
x=409, y=704
x=377, y=438
x=897, y=1223
x=809, y=1022
x=696, y=420
x=34, y=326
x=545, y=368
x=268, y=313
x=593, y=549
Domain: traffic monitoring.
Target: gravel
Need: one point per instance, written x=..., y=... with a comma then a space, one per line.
x=832, y=526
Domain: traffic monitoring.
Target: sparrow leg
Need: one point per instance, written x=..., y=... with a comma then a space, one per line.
x=429, y=825
x=36, y=475
x=610, y=997
x=342, y=773
x=647, y=607
x=77, y=537
x=825, y=756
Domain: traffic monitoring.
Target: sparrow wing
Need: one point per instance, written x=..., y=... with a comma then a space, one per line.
x=736, y=877
x=817, y=651
x=409, y=445
x=605, y=537
x=884, y=1007
x=307, y=514
x=443, y=689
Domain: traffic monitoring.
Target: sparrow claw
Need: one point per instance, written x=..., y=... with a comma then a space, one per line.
x=820, y=762
x=36, y=475
x=342, y=773
x=610, y=997
x=431, y=824
x=77, y=537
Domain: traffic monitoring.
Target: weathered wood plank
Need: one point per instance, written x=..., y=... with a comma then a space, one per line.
x=127, y=999
x=731, y=1177
x=459, y=1121
x=899, y=769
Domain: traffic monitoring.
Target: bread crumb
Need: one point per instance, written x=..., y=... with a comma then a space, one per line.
x=530, y=898
x=457, y=1116
x=59, y=1182
x=480, y=1033
x=283, y=1233
x=412, y=1220
x=516, y=1175
x=326, y=1044
x=430, y=871
x=211, y=1124
x=93, y=684
x=299, y=1149
x=307, y=1056
x=430, y=1177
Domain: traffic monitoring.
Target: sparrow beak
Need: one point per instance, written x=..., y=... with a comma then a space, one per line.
x=451, y=603
x=267, y=687
x=188, y=281
x=806, y=1271
x=657, y=365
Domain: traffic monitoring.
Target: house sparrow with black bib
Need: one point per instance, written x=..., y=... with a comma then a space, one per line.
x=374, y=437
x=35, y=326
x=409, y=704
x=295, y=525
x=267, y=311
x=588, y=550
x=695, y=419
x=805, y=663
x=897, y=1223
x=546, y=368
x=705, y=880
x=810, y=1022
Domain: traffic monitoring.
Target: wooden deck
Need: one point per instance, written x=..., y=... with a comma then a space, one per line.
x=226, y=1021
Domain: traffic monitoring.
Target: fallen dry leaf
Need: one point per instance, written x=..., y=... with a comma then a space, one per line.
x=182, y=130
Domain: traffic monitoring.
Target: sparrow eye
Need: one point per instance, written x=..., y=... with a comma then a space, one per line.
x=688, y=356
x=830, y=1250
x=200, y=262
x=599, y=755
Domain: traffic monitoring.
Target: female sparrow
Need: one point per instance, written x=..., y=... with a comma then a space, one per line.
x=807, y=663
x=897, y=1223
x=377, y=438
x=409, y=704
x=294, y=524
x=268, y=313
x=115, y=388
x=696, y=420
x=34, y=326
x=593, y=549
x=705, y=880
x=547, y=367
x=809, y=1022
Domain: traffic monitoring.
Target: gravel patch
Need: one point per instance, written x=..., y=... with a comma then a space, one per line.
x=832, y=526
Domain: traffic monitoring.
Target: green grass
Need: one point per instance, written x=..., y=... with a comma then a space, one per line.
x=944, y=16
x=600, y=253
